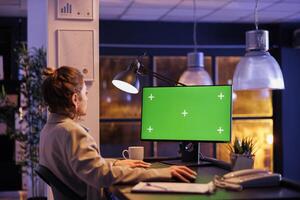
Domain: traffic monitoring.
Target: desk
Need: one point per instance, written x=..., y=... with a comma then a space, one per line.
x=206, y=174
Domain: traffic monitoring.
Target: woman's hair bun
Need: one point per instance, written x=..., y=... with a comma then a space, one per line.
x=49, y=72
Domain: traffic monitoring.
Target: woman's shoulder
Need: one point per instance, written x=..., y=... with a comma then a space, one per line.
x=61, y=126
x=71, y=126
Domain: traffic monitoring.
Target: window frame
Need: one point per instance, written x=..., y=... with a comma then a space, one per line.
x=209, y=50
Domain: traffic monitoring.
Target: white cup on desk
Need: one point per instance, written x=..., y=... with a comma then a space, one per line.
x=134, y=153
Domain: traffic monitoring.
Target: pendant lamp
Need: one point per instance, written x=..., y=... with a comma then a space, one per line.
x=257, y=69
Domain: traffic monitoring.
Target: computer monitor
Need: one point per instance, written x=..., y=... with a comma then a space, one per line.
x=187, y=113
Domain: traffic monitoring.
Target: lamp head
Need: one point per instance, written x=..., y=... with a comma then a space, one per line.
x=195, y=74
x=257, y=69
x=128, y=80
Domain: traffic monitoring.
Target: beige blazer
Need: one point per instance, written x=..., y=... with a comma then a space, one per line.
x=69, y=151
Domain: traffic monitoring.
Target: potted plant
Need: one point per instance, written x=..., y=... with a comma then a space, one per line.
x=32, y=114
x=242, y=153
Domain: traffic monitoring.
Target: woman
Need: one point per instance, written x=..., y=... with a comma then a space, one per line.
x=67, y=149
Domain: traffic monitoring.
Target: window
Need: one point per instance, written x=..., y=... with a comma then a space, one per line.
x=115, y=104
x=120, y=112
x=173, y=67
x=252, y=116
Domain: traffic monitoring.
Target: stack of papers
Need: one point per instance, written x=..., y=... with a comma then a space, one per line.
x=174, y=187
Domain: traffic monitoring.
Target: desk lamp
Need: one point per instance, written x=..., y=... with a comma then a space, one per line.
x=128, y=80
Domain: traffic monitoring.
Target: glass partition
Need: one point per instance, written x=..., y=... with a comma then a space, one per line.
x=254, y=110
x=120, y=112
x=173, y=67
x=117, y=136
x=115, y=103
x=255, y=103
x=262, y=133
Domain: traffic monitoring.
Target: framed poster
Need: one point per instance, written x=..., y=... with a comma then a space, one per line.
x=76, y=49
x=75, y=9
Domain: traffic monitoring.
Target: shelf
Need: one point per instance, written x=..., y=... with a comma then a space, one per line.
x=11, y=86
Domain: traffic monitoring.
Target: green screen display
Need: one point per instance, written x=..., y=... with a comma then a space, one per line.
x=190, y=113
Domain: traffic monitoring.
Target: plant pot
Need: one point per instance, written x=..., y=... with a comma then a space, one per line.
x=240, y=161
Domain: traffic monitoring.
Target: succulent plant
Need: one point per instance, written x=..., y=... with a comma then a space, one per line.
x=244, y=146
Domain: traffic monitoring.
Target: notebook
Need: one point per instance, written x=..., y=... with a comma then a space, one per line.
x=170, y=187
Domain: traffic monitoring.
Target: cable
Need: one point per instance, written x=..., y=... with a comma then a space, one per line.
x=195, y=26
x=256, y=15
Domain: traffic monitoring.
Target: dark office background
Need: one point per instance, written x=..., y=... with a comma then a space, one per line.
x=132, y=38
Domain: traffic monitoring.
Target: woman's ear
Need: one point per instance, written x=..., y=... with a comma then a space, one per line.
x=75, y=99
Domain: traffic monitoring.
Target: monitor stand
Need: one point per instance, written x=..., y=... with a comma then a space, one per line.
x=191, y=156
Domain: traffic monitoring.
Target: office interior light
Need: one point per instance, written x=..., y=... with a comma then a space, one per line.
x=257, y=69
x=195, y=74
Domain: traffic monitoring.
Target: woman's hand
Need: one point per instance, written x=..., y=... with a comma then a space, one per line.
x=132, y=163
x=183, y=173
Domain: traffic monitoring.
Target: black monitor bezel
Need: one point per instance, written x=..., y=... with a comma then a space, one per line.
x=202, y=141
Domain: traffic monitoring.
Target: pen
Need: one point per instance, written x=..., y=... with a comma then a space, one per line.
x=157, y=186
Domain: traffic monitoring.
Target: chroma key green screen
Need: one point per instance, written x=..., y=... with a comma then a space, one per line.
x=187, y=113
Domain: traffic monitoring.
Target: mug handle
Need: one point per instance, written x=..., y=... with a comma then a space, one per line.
x=123, y=154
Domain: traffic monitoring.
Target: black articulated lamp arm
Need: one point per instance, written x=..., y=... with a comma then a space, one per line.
x=142, y=70
x=163, y=78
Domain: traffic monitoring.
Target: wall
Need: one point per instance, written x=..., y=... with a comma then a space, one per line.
x=42, y=31
x=166, y=36
x=221, y=34
x=291, y=113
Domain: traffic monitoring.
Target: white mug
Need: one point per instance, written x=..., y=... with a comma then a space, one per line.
x=134, y=153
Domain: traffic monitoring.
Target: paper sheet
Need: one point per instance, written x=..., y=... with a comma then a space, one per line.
x=174, y=187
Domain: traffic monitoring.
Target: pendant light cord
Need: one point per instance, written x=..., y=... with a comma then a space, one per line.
x=256, y=14
x=195, y=26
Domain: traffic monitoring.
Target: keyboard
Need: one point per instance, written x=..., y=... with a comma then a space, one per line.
x=188, y=164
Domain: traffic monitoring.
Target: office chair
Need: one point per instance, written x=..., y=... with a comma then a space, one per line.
x=57, y=185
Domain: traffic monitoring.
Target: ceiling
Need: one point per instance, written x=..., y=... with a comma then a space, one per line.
x=227, y=11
